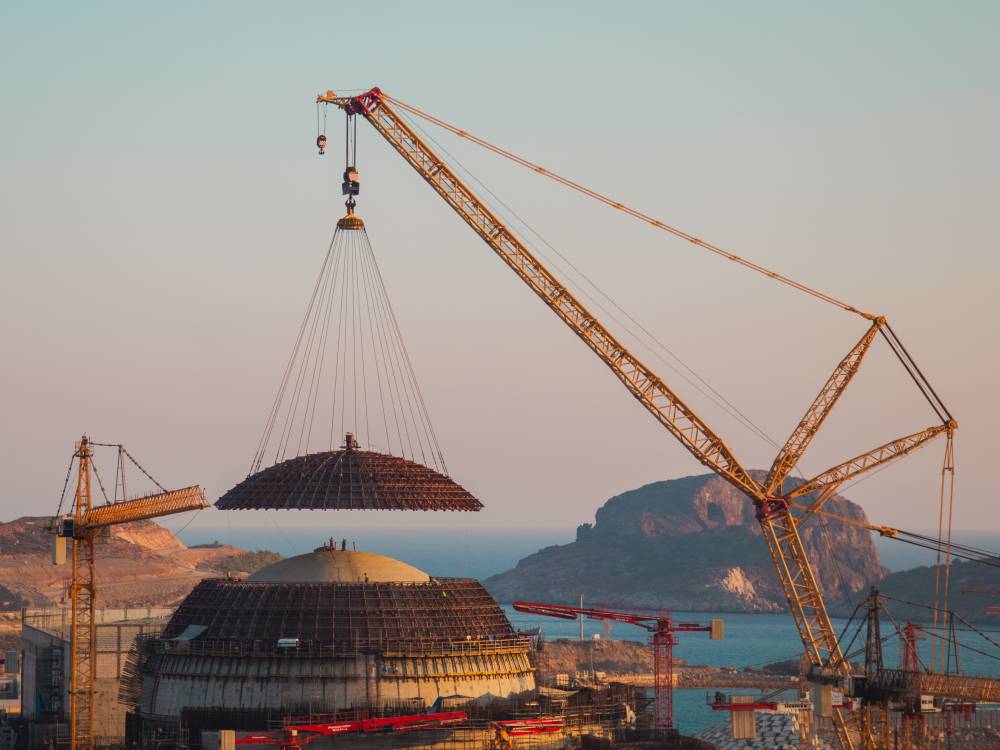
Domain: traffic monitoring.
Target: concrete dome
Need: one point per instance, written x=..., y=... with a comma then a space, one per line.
x=332, y=565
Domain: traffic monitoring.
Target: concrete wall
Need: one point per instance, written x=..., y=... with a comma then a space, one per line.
x=57, y=620
x=174, y=681
x=45, y=634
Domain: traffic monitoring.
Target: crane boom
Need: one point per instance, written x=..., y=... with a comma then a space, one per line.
x=778, y=525
x=640, y=380
x=142, y=508
x=867, y=461
x=818, y=411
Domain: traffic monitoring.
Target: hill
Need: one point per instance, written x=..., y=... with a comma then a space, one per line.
x=138, y=564
x=689, y=544
x=973, y=587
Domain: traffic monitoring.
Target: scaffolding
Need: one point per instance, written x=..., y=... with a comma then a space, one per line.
x=343, y=618
x=348, y=479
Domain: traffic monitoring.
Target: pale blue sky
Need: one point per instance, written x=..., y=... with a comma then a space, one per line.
x=163, y=213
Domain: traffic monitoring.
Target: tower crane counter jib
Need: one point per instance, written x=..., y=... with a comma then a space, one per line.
x=774, y=506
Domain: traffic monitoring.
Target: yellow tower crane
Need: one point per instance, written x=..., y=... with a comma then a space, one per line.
x=772, y=503
x=82, y=527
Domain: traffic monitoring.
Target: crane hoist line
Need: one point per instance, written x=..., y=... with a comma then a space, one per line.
x=773, y=505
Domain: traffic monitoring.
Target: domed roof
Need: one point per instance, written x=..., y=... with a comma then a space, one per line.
x=349, y=616
x=348, y=479
x=332, y=565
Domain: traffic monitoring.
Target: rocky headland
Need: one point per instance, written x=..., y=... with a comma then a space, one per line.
x=688, y=544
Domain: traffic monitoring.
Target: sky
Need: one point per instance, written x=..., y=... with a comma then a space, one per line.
x=163, y=214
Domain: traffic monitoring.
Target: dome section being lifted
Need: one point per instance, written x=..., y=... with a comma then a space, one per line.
x=348, y=479
x=332, y=565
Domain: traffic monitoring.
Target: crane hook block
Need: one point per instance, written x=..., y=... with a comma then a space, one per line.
x=321, y=144
x=351, y=185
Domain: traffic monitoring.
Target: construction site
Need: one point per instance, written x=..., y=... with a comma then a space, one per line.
x=344, y=647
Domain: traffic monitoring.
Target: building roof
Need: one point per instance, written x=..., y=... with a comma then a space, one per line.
x=332, y=565
x=342, y=616
x=348, y=479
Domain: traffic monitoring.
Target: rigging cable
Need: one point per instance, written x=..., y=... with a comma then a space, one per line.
x=915, y=374
x=289, y=423
x=350, y=294
x=375, y=352
x=957, y=616
x=100, y=484
x=131, y=458
x=726, y=405
x=626, y=209
x=276, y=405
x=943, y=567
x=69, y=472
x=415, y=387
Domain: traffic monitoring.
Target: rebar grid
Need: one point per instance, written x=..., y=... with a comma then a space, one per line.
x=348, y=480
x=344, y=617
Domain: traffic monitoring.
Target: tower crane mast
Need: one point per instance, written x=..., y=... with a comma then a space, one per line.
x=82, y=527
x=773, y=510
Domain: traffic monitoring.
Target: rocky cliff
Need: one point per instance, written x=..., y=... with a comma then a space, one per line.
x=568, y=656
x=137, y=564
x=689, y=544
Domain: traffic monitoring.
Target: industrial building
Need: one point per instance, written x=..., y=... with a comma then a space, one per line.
x=45, y=635
x=330, y=630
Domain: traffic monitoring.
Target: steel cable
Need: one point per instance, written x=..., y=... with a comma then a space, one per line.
x=726, y=405
x=626, y=209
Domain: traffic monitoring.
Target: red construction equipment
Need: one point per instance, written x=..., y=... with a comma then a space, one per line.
x=663, y=628
x=526, y=727
x=300, y=735
x=504, y=732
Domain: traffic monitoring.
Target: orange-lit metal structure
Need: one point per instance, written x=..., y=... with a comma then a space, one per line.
x=664, y=629
x=82, y=527
x=773, y=506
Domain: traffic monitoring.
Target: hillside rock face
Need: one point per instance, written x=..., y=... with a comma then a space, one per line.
x=689, y=544
x=138, y=563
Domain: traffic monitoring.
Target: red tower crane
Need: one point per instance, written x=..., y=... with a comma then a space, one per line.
x=662, y=626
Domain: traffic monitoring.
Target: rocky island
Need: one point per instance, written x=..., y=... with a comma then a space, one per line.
x=690, y=544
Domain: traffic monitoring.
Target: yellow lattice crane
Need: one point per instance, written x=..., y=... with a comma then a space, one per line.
x=82, y=527
x=773, y=505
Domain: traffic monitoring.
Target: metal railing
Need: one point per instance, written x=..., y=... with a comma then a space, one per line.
x=312, y=650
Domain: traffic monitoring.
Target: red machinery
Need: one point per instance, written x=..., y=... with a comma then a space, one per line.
x=292, y=736
x=663, y=628
x=526, y=727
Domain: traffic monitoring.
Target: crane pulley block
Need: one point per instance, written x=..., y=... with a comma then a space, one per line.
x=350, y=186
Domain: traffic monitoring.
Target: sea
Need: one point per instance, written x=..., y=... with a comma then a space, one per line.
x=752, y=640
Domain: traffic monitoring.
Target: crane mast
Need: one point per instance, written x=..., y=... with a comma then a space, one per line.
x=81, y=527
x=83, y=600
x=778, y=525
x=664, y=631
